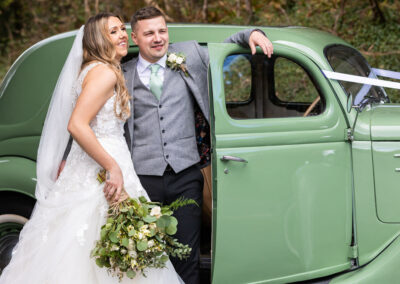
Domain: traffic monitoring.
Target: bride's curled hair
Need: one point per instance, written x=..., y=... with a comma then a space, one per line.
x=97, y=46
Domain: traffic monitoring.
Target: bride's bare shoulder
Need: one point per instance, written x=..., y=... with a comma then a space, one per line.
x=100, y=74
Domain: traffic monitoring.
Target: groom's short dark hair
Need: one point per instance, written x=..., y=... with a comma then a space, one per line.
x=144, y=14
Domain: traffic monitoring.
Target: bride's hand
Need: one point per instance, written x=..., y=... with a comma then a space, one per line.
x=114, y=184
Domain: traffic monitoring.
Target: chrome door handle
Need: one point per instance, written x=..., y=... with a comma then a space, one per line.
x=234, y=159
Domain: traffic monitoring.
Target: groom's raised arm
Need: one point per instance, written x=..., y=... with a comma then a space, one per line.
x=251, y=38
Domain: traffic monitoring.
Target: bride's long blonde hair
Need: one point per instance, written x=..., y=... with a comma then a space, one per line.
x=97, y=46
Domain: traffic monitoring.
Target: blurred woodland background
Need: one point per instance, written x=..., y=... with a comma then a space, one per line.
x=372, y=26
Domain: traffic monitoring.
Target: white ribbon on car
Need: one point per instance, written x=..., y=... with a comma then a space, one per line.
x=371, y=80
x=367, y=82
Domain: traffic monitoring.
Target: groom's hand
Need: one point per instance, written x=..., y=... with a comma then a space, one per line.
x=257, y=38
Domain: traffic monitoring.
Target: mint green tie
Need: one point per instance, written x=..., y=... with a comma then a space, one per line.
x=155, y=81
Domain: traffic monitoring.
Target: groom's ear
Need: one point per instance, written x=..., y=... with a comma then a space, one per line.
x=133, y=36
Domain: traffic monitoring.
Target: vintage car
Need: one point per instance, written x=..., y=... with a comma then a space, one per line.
x=305, y=169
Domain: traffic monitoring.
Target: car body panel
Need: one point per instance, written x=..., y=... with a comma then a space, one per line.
x=293, y=197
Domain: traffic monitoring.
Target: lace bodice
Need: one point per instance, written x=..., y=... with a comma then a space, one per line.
x=106, y=123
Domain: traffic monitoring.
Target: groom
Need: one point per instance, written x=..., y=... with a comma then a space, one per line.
x=161, y=130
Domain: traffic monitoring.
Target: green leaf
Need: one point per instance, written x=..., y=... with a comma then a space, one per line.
x=123, y=210
x=140, y=224
x=142, y=199
x=125, y=242
x=140, y=211
x=131, y=232
x=141, y=245
x=164, y=258
x=131, y=274
x=103, y=233
x=171, y=229
x=103, y=252
x=100, y=261
x=149, y=219
x=163, y=222
x=173, y=220
x=113, y=236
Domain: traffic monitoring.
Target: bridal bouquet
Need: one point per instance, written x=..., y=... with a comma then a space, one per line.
x=138, y=235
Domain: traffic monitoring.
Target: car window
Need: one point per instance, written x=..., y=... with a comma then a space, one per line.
x=344, y=59
x=259, y=87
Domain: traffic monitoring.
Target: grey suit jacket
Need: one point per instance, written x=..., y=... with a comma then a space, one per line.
x=197, y=61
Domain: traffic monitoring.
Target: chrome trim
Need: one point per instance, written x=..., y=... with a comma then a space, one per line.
x=396, y=155
x=234, y=159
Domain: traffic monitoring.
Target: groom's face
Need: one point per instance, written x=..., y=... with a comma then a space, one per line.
x=151, y=35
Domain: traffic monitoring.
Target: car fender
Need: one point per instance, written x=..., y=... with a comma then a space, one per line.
x=18, y=174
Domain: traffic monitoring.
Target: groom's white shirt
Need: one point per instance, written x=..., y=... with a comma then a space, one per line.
x=144, y=72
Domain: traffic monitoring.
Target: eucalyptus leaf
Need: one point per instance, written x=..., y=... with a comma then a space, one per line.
x=164, y=258
x=141, y=245
x=163, y=222
x=131, y=274
x=171, y=229
x=100, y=261
x=149, y=219
x=113, y=236
x=125, y=242
x=131, y=232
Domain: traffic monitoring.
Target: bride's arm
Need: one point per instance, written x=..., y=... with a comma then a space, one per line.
x=97, y=88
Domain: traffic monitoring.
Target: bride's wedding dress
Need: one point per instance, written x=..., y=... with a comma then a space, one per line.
x=55, y=244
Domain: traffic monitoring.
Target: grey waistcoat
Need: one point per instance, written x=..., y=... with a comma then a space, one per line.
x=164, y=131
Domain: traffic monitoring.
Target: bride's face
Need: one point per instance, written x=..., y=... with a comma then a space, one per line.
x=118, y=36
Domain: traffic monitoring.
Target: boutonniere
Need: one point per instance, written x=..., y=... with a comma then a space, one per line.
x=176, y=61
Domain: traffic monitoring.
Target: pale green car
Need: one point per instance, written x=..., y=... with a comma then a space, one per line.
x=300, y=191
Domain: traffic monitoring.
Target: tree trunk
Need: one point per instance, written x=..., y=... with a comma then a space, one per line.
x=378, y=15
x=249, y=11
x=154, y=4
x=204, y=11
x=339, y=17
x=87, y=9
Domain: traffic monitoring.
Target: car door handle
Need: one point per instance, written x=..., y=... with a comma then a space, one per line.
x=234, y=159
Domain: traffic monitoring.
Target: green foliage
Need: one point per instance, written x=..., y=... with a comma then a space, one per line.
x=138, y=235
x=292, y=83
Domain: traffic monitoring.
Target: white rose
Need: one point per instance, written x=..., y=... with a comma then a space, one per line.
x=132, y=254
x=150, y=243
x=172, y=57
x=179, y=60
x=156, y=211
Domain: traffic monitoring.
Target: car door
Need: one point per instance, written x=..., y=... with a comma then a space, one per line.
x=282, y=178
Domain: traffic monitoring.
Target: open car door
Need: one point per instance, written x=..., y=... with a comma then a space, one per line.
x=282, y=174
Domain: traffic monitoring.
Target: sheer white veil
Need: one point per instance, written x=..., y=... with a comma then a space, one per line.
x=55, y=135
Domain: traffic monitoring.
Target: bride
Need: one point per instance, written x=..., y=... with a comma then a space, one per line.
x=92, y=102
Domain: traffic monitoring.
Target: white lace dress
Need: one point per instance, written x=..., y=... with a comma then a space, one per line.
x=62, y=234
